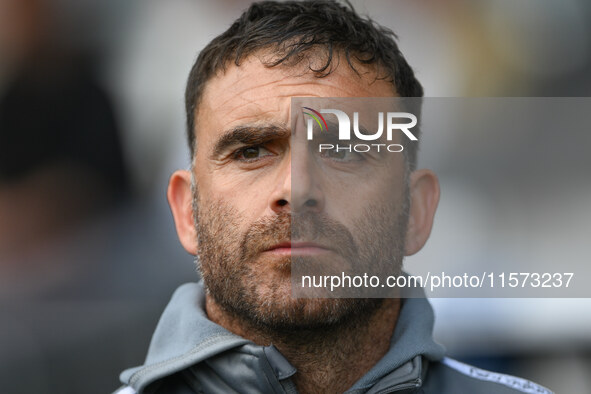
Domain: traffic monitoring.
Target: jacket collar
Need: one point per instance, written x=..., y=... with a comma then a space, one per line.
x=185, y=336
x=411, y=342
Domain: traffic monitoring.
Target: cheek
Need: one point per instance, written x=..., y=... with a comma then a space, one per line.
x=369, y=184
x=245, y=202
x=245, y=195
x=347, y=203
x=248, y=190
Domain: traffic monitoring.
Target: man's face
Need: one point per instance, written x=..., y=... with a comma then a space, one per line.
x=258, y=205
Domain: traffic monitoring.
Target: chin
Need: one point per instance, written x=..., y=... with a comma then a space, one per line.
x=284, y=312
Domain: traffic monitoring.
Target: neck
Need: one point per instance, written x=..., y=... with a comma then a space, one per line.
x=327, y=360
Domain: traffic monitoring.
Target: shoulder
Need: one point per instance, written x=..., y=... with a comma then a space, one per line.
x=452, y=376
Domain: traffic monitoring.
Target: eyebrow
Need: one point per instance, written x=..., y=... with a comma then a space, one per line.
x=332, y=134
x=249, y=135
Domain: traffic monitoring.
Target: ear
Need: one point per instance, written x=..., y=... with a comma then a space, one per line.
x=424, y=197
x=180, y=200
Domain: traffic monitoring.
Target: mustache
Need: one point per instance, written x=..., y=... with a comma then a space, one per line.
x=321, y=229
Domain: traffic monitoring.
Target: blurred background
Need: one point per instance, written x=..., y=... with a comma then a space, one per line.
x=92, y=125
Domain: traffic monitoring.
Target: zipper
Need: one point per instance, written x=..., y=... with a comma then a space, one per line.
x=403, y=386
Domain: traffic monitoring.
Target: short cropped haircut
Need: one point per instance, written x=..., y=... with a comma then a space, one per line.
x=293, y=29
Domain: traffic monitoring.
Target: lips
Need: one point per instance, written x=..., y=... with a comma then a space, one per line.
x=281, y=245
x=297, y=245
x=300, y=247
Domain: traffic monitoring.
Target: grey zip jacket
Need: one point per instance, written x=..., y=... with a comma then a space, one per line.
x=191, y=354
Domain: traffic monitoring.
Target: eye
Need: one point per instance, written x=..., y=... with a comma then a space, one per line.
x=341, y=155
x=251, y=153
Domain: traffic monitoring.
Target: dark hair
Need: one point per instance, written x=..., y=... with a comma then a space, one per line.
x=291, y=29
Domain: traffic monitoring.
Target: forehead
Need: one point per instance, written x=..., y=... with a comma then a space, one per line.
x=252, y=92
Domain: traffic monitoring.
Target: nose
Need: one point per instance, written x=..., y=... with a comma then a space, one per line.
x=298, y=186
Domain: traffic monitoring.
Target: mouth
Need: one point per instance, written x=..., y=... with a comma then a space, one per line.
x=297, y=249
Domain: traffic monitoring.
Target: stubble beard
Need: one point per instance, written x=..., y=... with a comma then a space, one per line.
x=257, y=289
